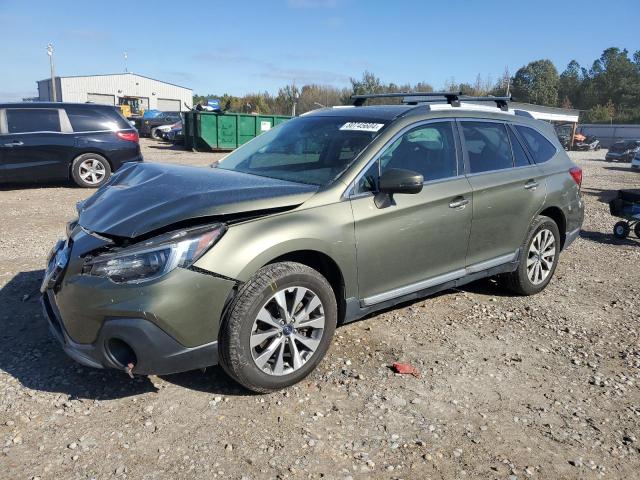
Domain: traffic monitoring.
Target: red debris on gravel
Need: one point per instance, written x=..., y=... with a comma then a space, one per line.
x=405, y=368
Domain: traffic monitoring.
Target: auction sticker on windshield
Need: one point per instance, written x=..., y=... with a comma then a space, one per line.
x=362, y=126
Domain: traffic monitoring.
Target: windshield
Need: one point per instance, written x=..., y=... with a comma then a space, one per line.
x=313, y=150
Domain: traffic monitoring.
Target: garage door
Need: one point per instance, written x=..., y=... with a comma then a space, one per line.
x=168, y=105
x=101, y=98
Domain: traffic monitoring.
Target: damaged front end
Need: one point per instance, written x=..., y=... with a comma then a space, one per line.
x=138, y=307
x=122, y=290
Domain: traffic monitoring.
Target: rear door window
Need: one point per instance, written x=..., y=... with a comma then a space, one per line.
x=540, y=148
x=487, y=146
x=30, y=120
x=91, y=119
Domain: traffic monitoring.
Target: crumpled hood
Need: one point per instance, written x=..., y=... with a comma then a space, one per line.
x=143, y=197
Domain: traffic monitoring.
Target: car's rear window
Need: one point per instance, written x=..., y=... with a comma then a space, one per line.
x=92, y=119
x=541, y=149
x=26, y=120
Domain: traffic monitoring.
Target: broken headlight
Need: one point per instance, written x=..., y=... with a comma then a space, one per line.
x=155, y=257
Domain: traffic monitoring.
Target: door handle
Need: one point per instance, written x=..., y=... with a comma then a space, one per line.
x=459, y=202
x=17, y=143
x=531, y=185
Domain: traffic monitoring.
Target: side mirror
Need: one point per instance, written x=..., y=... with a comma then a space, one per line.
x=397, y=180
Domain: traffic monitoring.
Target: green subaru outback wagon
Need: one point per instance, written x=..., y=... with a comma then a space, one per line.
x=318, y=222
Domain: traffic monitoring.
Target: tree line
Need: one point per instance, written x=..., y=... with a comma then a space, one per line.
x=608, y=91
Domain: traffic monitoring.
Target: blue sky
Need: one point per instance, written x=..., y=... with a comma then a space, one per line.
x=246, y=46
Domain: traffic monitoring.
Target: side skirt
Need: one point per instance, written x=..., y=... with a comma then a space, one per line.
x=355, y=310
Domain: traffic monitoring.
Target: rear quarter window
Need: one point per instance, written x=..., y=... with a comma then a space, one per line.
x=26, y=120
x=541, y=149
x=91, y=119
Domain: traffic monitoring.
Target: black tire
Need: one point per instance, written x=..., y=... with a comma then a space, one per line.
x=518, y=281
x=234, y=339
x=636, y=229
x=78, y=170
x=621, y=229
x=156, y=134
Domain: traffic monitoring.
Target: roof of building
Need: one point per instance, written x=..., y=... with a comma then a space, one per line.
x=52, y=104
x=115, y=74
x=542, y=112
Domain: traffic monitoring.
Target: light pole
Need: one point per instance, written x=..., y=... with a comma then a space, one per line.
x=53, y=75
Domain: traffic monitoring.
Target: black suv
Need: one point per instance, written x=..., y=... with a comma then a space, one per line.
x=147, y=125
x=58, y=141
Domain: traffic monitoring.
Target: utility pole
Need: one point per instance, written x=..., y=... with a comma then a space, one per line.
x=295, y=96
x=507, y=76
x=53, y=74
x=126, y=56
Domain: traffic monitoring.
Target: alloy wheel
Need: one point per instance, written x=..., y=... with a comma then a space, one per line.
x=541, y=256
x=92, y=171
x=287, y=330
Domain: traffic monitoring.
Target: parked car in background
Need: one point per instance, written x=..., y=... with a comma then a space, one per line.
x=564, y=132
x=165, y=118
x=635, y=163
x=159, y=132
x=175, y=133
x=320, y=220
x=623, y=151
x=84, y=142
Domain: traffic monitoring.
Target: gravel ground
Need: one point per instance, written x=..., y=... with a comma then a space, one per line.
x=511, y=387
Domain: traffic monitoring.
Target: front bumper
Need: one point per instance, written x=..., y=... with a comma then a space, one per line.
x=164, y=326
x=156, y=353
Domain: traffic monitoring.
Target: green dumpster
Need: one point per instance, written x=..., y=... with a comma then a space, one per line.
x=225, y=131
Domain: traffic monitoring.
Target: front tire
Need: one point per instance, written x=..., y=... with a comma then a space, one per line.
x=278, y=328
x=90, y=170
x=538, y=258
x=156, y=134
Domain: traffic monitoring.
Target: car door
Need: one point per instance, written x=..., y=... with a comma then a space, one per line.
x=420, y=240
x=508, y=191
x=34, y=147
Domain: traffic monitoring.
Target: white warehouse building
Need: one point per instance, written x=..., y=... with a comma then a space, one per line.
x=118, y=89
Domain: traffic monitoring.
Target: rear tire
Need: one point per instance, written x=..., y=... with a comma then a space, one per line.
x=265, y=346
x=538, y=258
x=621, y=229
x=90, y=170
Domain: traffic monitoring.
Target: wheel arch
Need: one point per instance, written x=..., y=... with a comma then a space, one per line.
x=557, y=215
x=326, y=266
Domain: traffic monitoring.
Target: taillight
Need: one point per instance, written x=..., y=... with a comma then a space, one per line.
x=576, y=174
x=128, y=136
